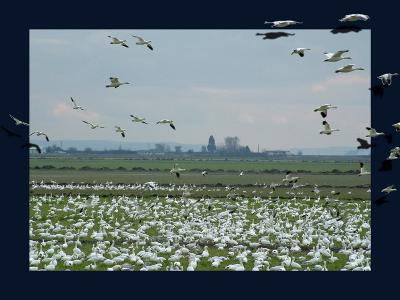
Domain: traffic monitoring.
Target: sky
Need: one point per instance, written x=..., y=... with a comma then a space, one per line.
x=210, y=82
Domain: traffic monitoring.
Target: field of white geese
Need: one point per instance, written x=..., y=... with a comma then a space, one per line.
x=170, y=229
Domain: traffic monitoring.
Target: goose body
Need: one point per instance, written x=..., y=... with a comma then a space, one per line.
x=387, y=78
x=120, y=130
x=327, y=129
x=117, y=41
x=92, y=125
x=373, y=133
x=354, y=17
x=18, y=122
x=290, y=179
x=281, y=24
x=142, y=41
x=40, y=133
x=176, y=170
x=75, y=105
x=389, y=189
x=115, y=82
x=323, y=109
x=397, y=126
x=300, y=51
x=166, y=121
x=394, y=153
x=336, y=56
x=347, y=69
x=138, y=119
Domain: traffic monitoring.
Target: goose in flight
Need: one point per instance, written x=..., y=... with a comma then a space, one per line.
x=10, y=133
x=336, y=56
x=387, y=78
x=327, y=128
x=274, y=35
x=176, y=170
x=142, y=41
x=39, y=133
x=92, y=125
x=165, y=121
x=120, y=130
x=347, y=69
x=324, y=109
x=364, y=144
x=373, y=133
x=18, y=122
x=138, y=119
x=394, y=153
x=115, y=82
x=354, y=17
x=300, y=51
x=204, y=173
x=389, y=189
x=281, y=24
x=117, y=41
x=30, y=145
x=362, y=171
x=75, y=105
x=290, y=179
x=397, y=126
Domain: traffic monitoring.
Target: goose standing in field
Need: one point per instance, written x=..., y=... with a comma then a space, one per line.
x=324, y=109
x=39, y=133
x=31, y=145
x=117, y=41
x=327, y=129
x=354, y=17
x=397, y=127
x=347, y=69
x=336, y=56
x=115, y=82
x=75, y=105
x=138, y=119
x=300, y=51
x=120, y=130
x=389, y=189
x=362, y=171
x=142, y=41
x=18, y=122
x=92, y=125
x=281, y=24
x=387, y=78
x=373, y=133
x=176, y=170
x=165, y=121
x=204, y=173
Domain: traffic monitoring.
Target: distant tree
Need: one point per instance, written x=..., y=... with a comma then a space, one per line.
x=299, y=152
x=72, y=150
x=53, y=149
x=232, y=143
x=211, y=144
x=178, y=149
x=162, y=148
x=87, y=149
x=203, y=149
x=190, y=151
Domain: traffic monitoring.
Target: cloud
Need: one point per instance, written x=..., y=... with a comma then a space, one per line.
x=348, y=81
x=63, y=110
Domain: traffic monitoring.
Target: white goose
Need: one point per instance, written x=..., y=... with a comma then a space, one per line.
x=281, y=24
x=115, y=82
x=347, y=69
x=397, y=126
x=18, y=122
x=327, y=129
x=142, y=41
x=324, y=109
x=336, y=56
x=300, y=51
x=176, y=170
x=290, y=179
x=92, y=125
x=39, y=133
x=354, y=17
x=387, y=78
x=394, y=153
x=120, y=130
x=138, y=119
x=373, y=133
x=166, y=121
x=117, y=41
x=75, y=105
x=362, y=171
x=389, y=189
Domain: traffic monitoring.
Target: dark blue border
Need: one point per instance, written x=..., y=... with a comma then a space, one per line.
x=18, y=18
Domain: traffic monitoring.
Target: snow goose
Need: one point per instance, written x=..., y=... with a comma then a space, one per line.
x=92, y=125
x=354, y=17
x=117, y=41
x=327, y=129
x=274, y=35
x=39, y=133
x=373, y=133
x=324, y=109
x=31, y=145
x=120, y=130
x=362, y=171
x=176, y=170
x=394, y=153
x=347, y=69
x=165, y=121
x=138, y=119
x=281, y=24
x=397, y=126
x=115, y=82
x=142, y=41
x=290, y=179
x=18, y=122
x=300, y=51
x=364, y=144
x=336, y=56
x=387, y=78
x=389, y=189
x=75, y=105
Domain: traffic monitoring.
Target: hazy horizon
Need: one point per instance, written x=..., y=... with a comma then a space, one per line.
x=210, y=82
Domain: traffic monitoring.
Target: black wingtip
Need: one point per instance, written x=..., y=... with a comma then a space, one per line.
x=323, y=114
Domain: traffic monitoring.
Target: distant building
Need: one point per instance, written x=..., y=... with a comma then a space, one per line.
x=276, y=153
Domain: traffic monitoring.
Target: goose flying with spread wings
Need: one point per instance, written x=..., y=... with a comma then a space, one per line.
x=373, y=133
x=336, y=56
x=323, y=109
x=75, y=105
x=31, y=145
x=18, y=122
x=120, y=130
x=115, y=82
x=281, y=24
x=176, y=170
x=327, y=128
x=354, y=17
x=364, y=144
x=117, y=41
x=92, y=125
x=138, y=119
x=347, y=69
x=389, y=189
x=142, y=41
x=300, y=51
x=165, y=121
x=40, y=133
